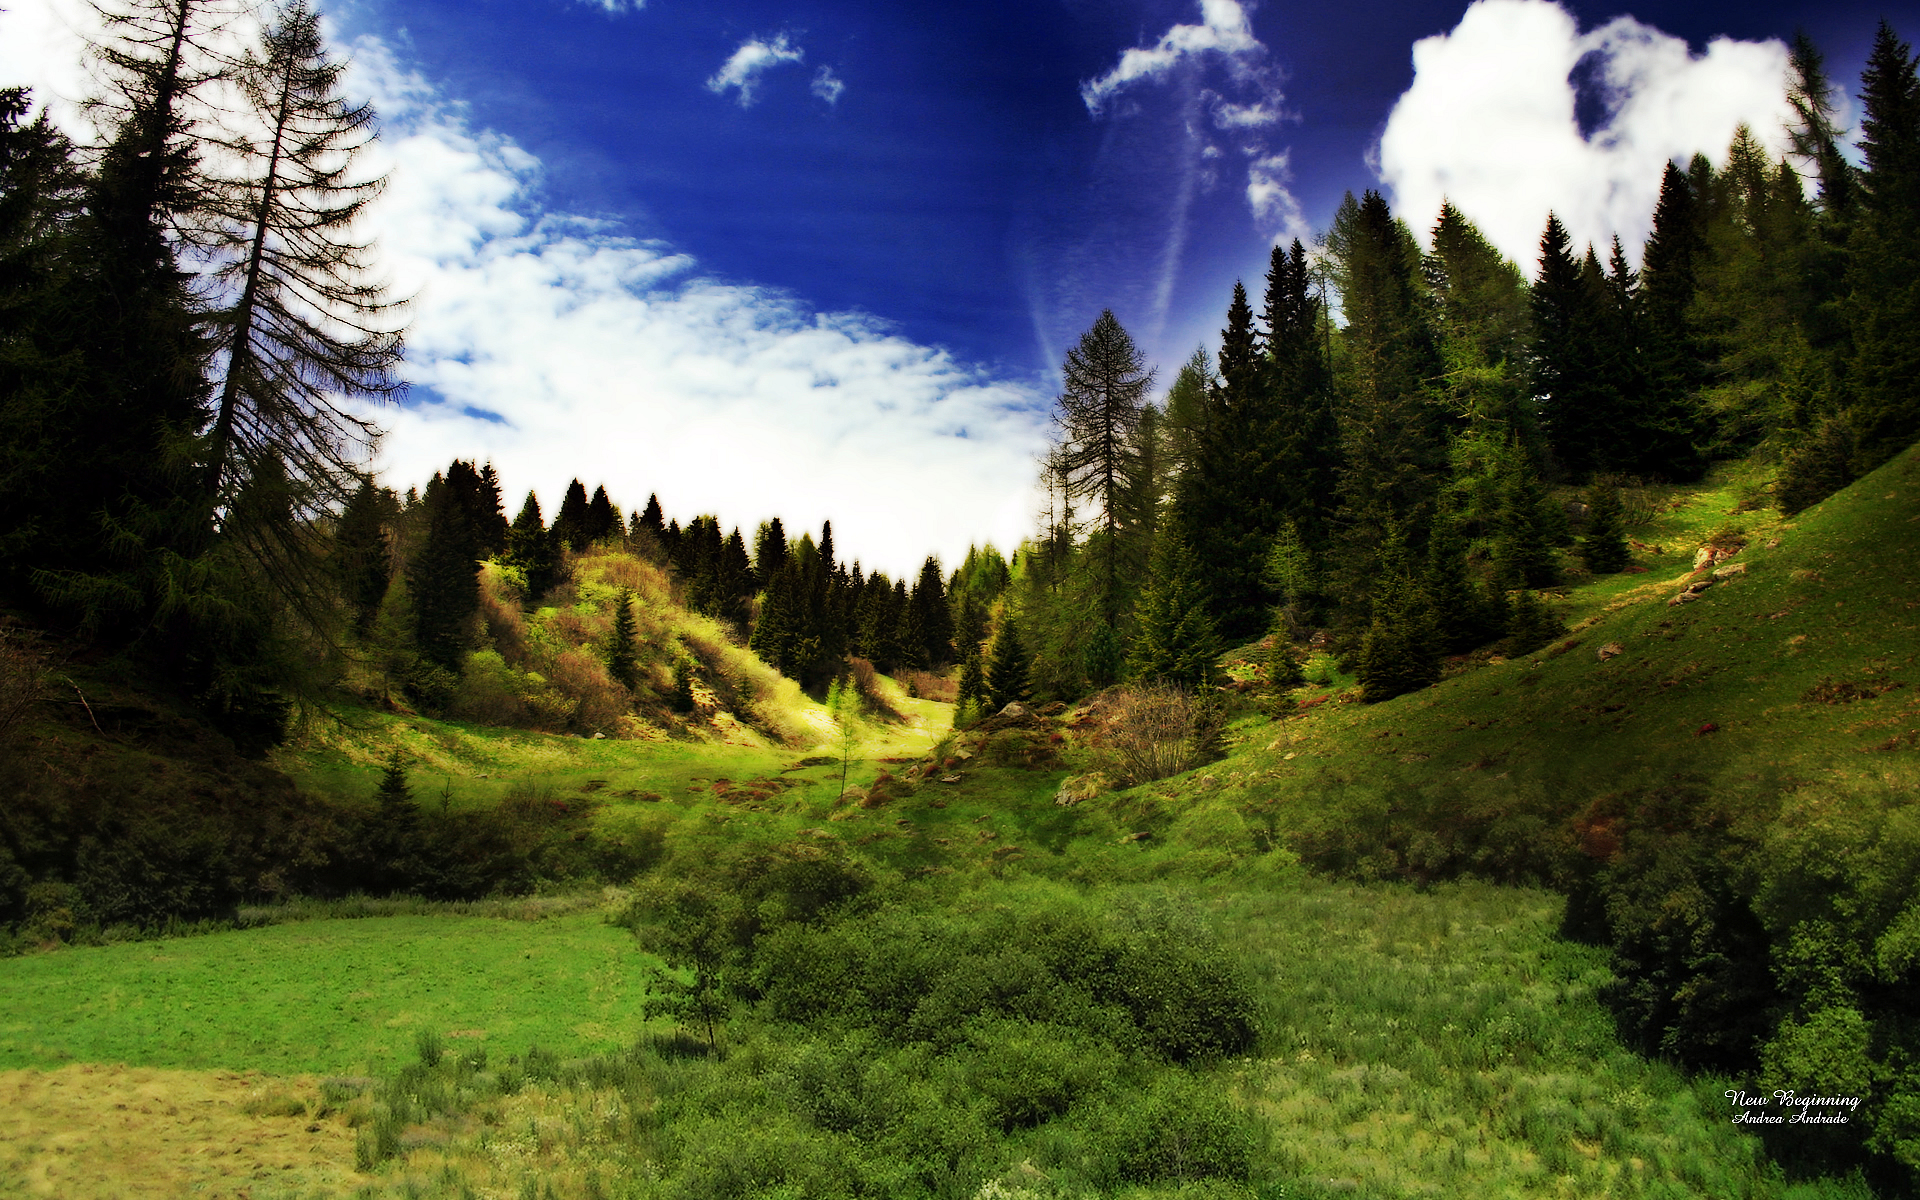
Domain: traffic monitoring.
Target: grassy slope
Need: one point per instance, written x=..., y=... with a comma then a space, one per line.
x=336, y=997
x=1831, y=597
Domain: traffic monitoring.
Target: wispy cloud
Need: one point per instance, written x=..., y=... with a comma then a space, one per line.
x=1491, y=121
x=755, y=57
x=1223, y=32
x=614, y=8
x=1228, y=70
x=827, y=85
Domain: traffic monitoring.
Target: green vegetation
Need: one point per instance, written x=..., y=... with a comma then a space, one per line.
x=336, y=997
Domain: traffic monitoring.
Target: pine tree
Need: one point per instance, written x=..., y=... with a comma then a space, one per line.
x=1523, y=545
x=1885, y=263
x=532, y=549
x=1096, y=419
x=1670, y=267
x=602, y=520
x=971, y=694
x=1392, y=432
x=1008, y=669
x=1401, y=649
x=1484, y=323
x=1228, y=502
x=443, y=577
x=1531, y=624
x=570, y=523
x=933, y=615
x=1103, y=658
x=769, y=549
x=1603, y=544
x=309, y=330
x=362, y=553
x=393, y=832
x=1579, y=404
x=1282, y=671
x=1175, y=641
x=622, y=648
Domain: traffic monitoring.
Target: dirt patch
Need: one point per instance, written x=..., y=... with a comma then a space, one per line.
x=111, y=1131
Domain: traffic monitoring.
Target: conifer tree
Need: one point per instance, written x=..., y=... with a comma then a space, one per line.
x=932, y=614
x=1400, y=651
x=1531, y=624
x=1579, y=406
x=1885, y=262
x=602, y=520
x=1603, y=544
x=362, y=554
x=532, y=549
x=1096, y=419
x=393, y=833
x=1282, y=671
x=971, y=694
x=1459, y=615
x=1175, y=640
x=1228, y=501
x=1482, y=316
x=1392, y=446
x=1102, y=658
x=622, y=649
x=570, y=523
x=769, y=549
x=1671, y=264
x=1523, y=545
x=443, y=578
x=1007, y=670
x=309, y=329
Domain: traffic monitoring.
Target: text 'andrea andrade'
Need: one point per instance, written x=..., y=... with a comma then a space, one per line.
x=1792, y=1108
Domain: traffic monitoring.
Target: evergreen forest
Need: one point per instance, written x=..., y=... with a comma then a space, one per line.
x=1454, y=733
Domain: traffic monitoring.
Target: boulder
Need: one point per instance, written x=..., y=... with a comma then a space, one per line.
x=1692, y=592
x=1016, y=709
x=1729, y=571
x=1076, y=788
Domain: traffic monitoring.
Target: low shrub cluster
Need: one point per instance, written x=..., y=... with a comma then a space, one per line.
x=871, y=1040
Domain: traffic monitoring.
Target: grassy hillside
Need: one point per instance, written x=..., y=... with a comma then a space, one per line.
x=937, y=975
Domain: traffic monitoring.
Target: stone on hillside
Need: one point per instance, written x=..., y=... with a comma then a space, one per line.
x=1730, y=570
x=1611, y=650
x=1015, y=709
x=1693, y=592
x=1076, y=788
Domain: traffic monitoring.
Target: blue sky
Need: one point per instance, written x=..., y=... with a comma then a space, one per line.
x=821, y=257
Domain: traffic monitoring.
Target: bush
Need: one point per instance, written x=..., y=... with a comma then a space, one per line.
x=1151, y=732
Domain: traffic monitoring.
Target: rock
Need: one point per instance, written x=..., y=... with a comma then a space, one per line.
x=598, y=736
x=1076, y=788
x=1611, y=650
x=949, y=779
x=1016, y=709
x=1712, y=555
x=855, y=794
x=1693, y=592
x=1729, y=571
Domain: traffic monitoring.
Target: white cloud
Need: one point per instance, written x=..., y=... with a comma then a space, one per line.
x=614, y=8
x=563, y=349
x=558, y=348
x=1223, y=31
x=1489, y=121
x=1245, y=103
x=754, y=58
x=827, y=85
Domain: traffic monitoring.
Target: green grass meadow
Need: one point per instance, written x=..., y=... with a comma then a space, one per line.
x=335, y=997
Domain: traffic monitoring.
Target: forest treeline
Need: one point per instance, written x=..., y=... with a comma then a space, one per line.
x=1370, y=454
x=189, y=317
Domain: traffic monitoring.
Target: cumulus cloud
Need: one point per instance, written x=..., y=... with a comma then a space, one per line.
x=1491, y=121
x=555, y=347
x=755, y=57
x=827, y=85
